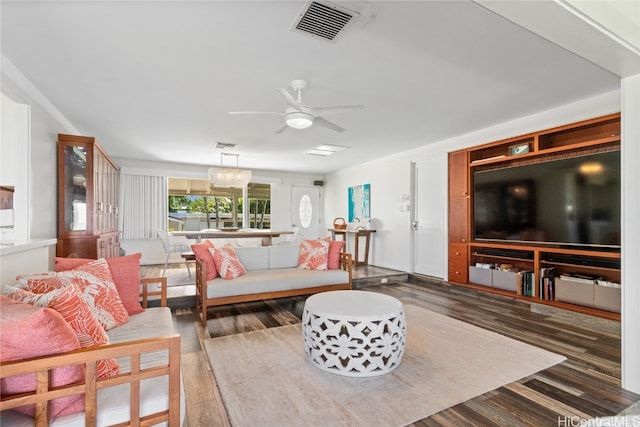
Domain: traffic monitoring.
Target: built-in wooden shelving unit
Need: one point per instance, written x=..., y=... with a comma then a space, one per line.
x=532, y=262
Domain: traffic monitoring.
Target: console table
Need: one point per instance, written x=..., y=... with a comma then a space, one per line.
x=356, y=234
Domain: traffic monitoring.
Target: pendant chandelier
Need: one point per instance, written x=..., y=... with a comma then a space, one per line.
x=226, y=176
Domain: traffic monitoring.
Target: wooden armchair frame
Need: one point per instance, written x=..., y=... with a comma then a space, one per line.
x=89, y=357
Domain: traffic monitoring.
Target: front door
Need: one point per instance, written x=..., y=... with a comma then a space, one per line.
x=305, y=211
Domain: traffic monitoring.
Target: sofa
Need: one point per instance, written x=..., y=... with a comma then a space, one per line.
x=147, y=390
x=271, y=272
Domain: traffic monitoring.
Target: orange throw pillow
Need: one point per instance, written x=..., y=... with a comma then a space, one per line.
x=68, y=301
x=227, y=262
x=314, y=255
x=21, y=327
x=201, y=252
x=94, y=281
x=125, y=272
x=335, y=247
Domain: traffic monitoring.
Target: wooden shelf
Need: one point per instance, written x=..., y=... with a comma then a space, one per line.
x=589, y=133
x=579, y=266
x=573, y=307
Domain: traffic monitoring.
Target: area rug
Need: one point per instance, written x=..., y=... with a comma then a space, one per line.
x=265, y=378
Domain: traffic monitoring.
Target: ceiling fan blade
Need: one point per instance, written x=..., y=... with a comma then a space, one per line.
x=256, y=112
x=291, y=102
x=282, y=128
x=327, y=124
x=322, y=111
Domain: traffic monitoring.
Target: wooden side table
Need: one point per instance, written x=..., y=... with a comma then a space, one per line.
x=356, y=234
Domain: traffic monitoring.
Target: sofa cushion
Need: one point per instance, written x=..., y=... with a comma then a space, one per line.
x=28, y=331
x=227, y=262
x=94, y=281
x=254, y=258
x=285, y=256
x=274, y=280
x=69, y=302
x=201, y=252
x=314, y=254
x=125, y=272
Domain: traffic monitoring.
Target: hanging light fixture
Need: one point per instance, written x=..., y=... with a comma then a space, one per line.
x=224, y=176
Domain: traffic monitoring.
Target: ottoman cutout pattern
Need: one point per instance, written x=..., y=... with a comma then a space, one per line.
x=363, y=342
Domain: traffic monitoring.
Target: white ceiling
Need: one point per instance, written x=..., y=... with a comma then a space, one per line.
x=156, y=80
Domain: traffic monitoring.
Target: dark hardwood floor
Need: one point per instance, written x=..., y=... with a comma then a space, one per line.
x=586, y=385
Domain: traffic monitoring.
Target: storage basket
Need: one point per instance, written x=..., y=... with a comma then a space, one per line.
x=339, y=223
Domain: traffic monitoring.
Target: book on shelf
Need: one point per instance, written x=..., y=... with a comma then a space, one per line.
x=608, y=284
x=580, y=278
x=525, y=285
x=547, y=285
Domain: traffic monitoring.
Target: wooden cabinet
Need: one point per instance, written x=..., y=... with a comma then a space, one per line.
x=458, y=264
x=527, y=264
x=458, y=174
x=458, y=216
x=88, y=183
x=458, y=220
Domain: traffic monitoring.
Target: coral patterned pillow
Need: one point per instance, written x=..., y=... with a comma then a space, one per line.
x=68, y=301
x=335, y=247
x=314, y=255
x=227, y=262
x=94, y=281
x=22, y=325
x=201, y=252
x=125, y=272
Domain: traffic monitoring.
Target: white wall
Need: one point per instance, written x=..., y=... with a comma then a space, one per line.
x=630, y=233
x=45, y=125
x=389, y=178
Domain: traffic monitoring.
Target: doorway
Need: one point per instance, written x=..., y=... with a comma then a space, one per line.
x=305, y=211
x=428, y=216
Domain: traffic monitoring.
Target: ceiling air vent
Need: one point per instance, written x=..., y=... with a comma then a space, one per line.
x=225, y=145
x=323, y=20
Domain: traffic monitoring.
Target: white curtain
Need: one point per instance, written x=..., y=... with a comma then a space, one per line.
x=143, y=205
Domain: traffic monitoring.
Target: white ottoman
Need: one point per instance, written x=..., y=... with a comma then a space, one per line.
x=354, y=333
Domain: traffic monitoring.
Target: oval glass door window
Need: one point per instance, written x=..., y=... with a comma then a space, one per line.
x=306, y=211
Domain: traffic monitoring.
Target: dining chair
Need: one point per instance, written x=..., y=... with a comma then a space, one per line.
x=174, y=248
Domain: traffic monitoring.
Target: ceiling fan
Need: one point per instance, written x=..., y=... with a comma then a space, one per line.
x=298, y=115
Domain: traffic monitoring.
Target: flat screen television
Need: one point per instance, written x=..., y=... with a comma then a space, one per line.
x=572, y=201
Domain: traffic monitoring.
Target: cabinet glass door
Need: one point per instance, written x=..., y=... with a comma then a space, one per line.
x=75, y=185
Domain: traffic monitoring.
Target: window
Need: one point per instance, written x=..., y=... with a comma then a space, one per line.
x=195, y=205
x=259, y=206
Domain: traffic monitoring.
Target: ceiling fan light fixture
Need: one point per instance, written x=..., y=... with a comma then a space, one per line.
x=299, y=120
